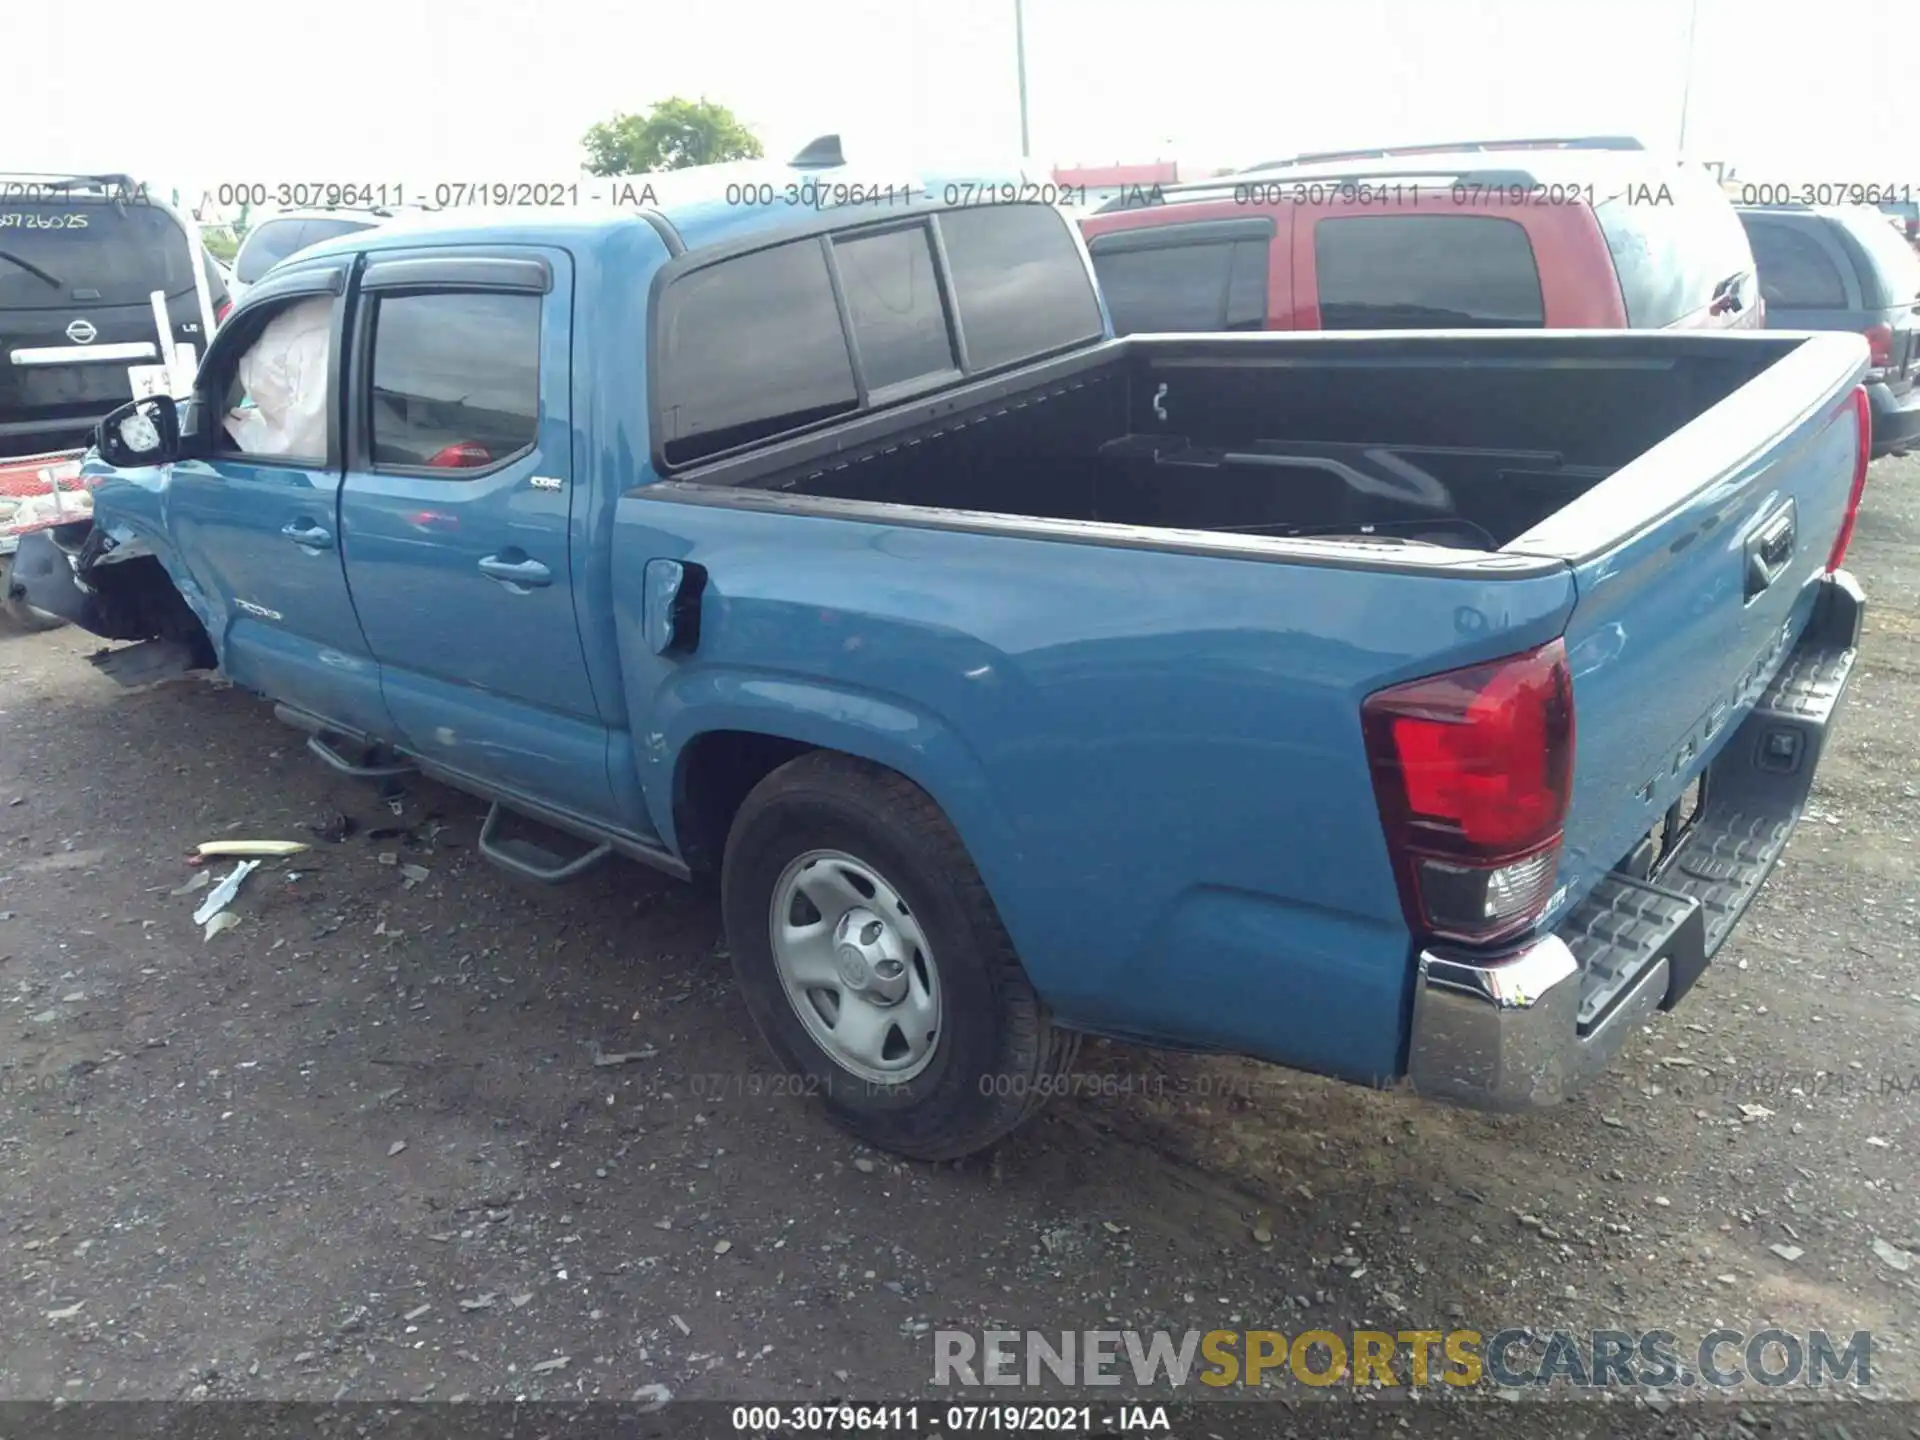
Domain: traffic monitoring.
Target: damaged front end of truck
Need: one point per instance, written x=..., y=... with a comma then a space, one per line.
x=104, y=577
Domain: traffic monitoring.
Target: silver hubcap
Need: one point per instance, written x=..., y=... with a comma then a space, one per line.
x=856, y=966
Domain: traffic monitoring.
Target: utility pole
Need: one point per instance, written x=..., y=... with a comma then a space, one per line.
x=1020, y=58
x=1686, y=80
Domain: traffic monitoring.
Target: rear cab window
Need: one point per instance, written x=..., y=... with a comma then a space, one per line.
x=58, y=254
x=804, y=331
x=1387, y=272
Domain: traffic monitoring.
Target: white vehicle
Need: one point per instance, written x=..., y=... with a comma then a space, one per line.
x=282, y=233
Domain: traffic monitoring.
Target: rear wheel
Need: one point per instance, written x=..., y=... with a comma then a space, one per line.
x=875, y=965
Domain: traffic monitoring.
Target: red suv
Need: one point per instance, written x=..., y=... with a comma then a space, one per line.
x=1557, y=234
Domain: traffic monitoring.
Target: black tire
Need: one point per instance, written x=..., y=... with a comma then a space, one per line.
x=997, y=1056
x=19, y=614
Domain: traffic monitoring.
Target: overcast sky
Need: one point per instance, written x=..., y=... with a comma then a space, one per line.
x=350, y=90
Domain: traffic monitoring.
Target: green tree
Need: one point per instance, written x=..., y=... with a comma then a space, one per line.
x=672, y=135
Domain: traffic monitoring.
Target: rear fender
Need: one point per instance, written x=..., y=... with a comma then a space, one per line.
x=884, y=729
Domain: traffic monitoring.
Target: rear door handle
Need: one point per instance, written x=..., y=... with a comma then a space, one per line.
x=316, y=537
x=516, y=572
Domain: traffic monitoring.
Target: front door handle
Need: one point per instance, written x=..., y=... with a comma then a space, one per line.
x=317, y=537
x=515, y=572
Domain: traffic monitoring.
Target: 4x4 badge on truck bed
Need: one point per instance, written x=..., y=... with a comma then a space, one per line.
x=545, y=482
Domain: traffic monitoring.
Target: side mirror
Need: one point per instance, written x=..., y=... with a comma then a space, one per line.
x=141, y=432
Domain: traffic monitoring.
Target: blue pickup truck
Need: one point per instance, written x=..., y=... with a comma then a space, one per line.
x=1410, y=708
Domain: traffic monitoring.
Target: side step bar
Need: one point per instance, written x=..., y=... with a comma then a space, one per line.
x=530, y=861
x=375, y=762
x=524, y=858
x=1755, y=791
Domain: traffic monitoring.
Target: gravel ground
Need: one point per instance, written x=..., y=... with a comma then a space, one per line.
x=428, y=1132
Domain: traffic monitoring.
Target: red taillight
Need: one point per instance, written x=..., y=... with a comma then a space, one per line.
x=1473, y=771
x=462, y=456
x=1863, y=427
x=1880, y=346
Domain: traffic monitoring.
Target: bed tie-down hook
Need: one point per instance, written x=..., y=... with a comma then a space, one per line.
x=1159, y=399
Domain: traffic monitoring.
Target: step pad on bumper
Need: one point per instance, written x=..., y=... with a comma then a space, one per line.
x=1755, y=791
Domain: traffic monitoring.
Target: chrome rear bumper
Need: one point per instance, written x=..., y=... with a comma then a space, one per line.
x=1505, y=1035
x=1528, y=1028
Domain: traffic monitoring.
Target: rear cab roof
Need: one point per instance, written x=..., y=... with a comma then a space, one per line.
x=695, y=209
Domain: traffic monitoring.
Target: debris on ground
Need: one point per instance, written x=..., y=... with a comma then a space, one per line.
x=201, y=879
x=651, y=1397
x=395, y=1148
x=224, y=892
x=412, y=875
x=1892, y=1255
x=608, y=1058
x=335, y=828
x=219, y=924
x=253, y=847
x=559, y=1362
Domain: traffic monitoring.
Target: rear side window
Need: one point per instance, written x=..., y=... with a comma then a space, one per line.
x=266, y=246
x=751, y=348
x=1675, y=242
x=1894, y=277
x=456, y=379
x=1795, y=272
x=1209, y=287
x=893, y=297
x=1019, y=283
x=56, y=256
x=1386, y=272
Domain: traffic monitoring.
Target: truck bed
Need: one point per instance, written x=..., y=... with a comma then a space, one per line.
x=1323, y=439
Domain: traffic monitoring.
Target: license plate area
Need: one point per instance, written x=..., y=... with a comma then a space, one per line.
x=1677, y=823
x=1654, y=851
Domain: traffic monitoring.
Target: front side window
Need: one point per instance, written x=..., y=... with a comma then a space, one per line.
x=1391, y=272
x=275, y=397
x=455, y=382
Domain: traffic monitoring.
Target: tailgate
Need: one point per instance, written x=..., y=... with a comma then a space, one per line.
x=1682, y=621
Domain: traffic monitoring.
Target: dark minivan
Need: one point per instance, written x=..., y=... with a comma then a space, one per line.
x=1847, y=269
x=80, y=258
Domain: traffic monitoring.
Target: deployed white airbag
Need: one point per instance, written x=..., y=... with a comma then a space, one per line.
x=284, y=376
